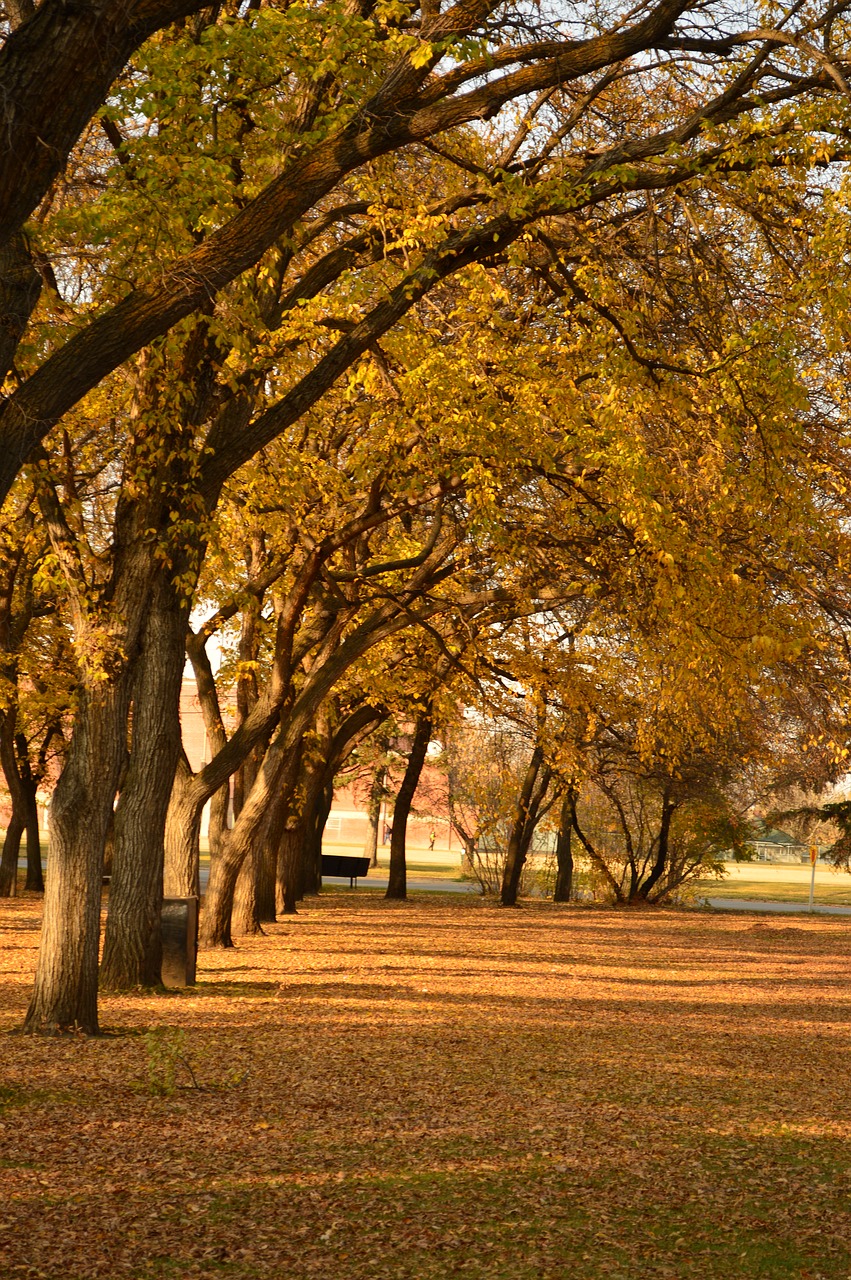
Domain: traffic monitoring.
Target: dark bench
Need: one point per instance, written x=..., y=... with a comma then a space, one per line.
x=339, y=864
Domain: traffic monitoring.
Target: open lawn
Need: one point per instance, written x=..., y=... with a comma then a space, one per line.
x=444, y=1088
x=781, y=882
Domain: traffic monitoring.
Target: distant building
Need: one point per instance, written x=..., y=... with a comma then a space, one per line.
x=774, y=845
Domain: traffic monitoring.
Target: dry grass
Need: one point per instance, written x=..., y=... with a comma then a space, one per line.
x=444, y=1088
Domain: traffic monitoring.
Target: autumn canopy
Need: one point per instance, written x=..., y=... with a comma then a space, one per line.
x=463, y=372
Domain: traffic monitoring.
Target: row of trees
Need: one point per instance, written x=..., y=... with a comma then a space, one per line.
x=415, y=355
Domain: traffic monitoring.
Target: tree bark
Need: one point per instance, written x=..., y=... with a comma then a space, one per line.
x=266, y=912
x=20, y=286
x=65, y=992
x=310, y=880
x=35, y=875
x=11, y=853
x=17, y=822
x=516, y=854
x=277, y=774
x=397, y=886
x=596, y=860
x=182, y=836
x=290, y=852
x=468, y=856
x=373, y=814
x=245, y=918
x=661, y=862
x=564, y=852
x=132, y=950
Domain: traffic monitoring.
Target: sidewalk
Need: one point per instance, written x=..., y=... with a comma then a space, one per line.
x=787, y=908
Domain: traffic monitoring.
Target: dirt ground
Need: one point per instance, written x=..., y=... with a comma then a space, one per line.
x=443, y=1088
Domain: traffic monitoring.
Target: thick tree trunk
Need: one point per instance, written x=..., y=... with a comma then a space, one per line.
x=65, y=991
x=516, y=854
x=373, y=815
x=397, y=885
x=564, y=853
x=266, y=912
x=132, y=950
x=468, y=855
x=290, y=853
x=245, y=918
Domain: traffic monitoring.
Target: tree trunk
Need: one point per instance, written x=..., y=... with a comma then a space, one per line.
x=245, y=917
x=11, y=852
x=596, y=860
x=35, y=876
x=65, y=992
x=516, y=854
x=132, y=952
x=290, y=851
x=373, y=815
x=218, y=818
x=311, y=862
x=668, y=810
x=278, y=773
x=397, y=887
x=17, y=822
x=564, y=853
x=266, y=912
x=182, y=836
x=468, y=856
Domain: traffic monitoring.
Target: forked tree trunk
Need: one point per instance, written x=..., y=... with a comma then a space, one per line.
x=65, y=992
x=132, y=951
x=518, y=844
x=468, y=855
x=397, y=885
x=564, y=852
x=661, y=862
x=277, y=774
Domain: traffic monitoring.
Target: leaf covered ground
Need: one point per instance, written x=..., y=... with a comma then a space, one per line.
x=444, y=1088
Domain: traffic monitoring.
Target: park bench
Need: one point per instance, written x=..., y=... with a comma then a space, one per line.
x=340, y=864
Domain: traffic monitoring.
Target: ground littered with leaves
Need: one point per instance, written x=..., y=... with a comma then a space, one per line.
x=443, y=1088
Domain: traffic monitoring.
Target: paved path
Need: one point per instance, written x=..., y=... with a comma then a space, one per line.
x=380, y=882
x=434, y=886
x=758, y=904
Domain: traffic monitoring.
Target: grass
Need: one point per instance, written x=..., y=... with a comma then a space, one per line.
x=780, y=883
x=443, y=1088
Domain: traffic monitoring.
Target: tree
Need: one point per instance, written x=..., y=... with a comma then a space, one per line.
x=397, y=881
x=273, y=304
